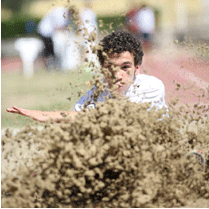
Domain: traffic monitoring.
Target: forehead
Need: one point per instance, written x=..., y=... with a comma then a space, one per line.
x=119, y=58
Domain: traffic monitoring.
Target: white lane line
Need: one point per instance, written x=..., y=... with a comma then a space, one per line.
x=186, y=74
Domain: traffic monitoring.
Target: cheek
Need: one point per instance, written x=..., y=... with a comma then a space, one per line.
x=106, y=74
x=108, y=79
x=128, y=76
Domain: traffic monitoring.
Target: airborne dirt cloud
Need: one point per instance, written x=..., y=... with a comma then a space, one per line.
x=118, y=155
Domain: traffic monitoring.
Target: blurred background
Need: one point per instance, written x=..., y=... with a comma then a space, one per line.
x=44, y=49
x=174, y=17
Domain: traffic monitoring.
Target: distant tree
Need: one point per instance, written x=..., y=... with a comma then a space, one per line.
x=14, y=5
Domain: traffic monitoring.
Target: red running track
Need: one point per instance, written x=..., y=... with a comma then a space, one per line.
x=188, y=74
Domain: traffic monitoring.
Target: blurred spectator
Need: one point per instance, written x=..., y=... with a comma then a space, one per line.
x=88, y=18
x=145, y=20
x=89, y=30
x=130, y=20
x=53, y=23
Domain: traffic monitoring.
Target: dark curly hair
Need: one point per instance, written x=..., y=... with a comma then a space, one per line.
x=119, y=42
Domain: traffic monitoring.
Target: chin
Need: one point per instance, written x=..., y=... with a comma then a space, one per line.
x=121, y=90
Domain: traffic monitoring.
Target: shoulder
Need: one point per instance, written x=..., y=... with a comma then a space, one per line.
x=85, y=98
x=149, y=83
x=89, y=98
x=147, y=89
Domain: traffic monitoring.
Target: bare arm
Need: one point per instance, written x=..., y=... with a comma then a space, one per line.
x=43, y=116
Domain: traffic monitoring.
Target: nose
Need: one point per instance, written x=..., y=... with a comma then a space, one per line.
x=119, y=74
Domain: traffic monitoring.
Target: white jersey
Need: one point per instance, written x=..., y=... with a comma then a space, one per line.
x=144, y=89
x=55, y=19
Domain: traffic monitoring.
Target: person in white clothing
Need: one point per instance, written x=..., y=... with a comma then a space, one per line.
x=126, y=53
x=88, y=20
x=145, y=21
x=89, y=29
x=57, y=20
x=123, y=51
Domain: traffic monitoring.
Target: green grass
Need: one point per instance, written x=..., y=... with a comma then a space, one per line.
x=45, y=91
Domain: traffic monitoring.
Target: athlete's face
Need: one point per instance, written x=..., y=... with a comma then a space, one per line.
x=122, y=70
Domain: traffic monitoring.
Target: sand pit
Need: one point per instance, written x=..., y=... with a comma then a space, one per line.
x=118, y=155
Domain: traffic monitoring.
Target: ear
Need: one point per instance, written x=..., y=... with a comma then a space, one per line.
x=137, y=70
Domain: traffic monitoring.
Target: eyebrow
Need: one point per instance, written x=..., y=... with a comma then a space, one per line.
x=124, y=63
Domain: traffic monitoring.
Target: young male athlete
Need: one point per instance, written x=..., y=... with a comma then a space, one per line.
x=121, y=51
